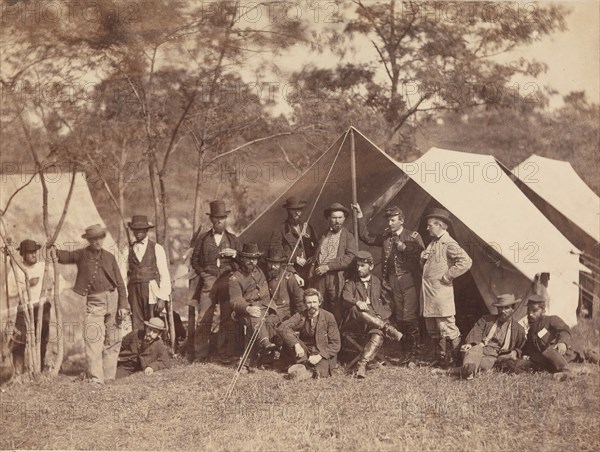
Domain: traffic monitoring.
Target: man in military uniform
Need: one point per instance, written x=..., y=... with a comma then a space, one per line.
x=335, y=253
x=284, y=289
x=369, y=310
x=249, y=298
x=401, y=272
x=294, y=231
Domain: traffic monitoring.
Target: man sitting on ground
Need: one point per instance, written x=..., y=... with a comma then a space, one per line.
x=144, y=350
x=494, y=338
x=369, y=311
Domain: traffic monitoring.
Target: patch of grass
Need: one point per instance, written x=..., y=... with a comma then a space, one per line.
x=393, y=409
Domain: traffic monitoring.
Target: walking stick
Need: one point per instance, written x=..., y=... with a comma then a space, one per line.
x=171, y=325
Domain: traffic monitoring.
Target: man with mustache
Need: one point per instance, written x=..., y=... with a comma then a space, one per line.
x=295, y=231
x=494, y=338
x=144, y=350
x=335, y=253
x=312, y=336
x=283, y=287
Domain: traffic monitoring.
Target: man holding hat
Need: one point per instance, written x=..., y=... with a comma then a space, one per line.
x=369, y=310
x=213, y=260
x=148, y=278
x=249, y=297
x=335, y=253
x=28, y=249
x=443, y=261
x=144, y=350
x=493, y=338
x=295, y=231
x=401, y=272
x=99, y=280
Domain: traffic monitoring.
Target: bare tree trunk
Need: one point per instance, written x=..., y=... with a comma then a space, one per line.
x=60, y=346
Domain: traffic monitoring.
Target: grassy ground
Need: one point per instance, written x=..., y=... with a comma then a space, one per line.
x=394, y=409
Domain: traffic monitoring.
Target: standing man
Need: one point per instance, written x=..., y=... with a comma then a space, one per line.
x=213, y=260
x=443, y=261
x=249, y=298
x=99, y=280
x=293, y=231
x=312, y=336
x=335, y=253
x=369, y=312
x=401, y=272
x=149, y=282
x=494, y=338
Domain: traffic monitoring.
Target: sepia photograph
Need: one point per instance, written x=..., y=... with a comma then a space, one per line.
x=313, y=225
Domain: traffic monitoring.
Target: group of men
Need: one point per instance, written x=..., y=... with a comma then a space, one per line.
x=291, y=305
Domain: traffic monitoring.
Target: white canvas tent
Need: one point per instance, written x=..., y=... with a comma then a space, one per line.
x=509, y=240
x=560, y=194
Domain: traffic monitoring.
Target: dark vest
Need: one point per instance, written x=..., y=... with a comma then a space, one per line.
x=146, y=270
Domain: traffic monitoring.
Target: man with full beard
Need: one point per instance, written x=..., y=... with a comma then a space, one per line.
x=284, y=289
x=144, y=350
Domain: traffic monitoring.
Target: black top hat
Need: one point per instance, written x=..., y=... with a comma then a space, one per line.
x=364, y=256
x=506, y=299
x=140, y=222
x=217, y=209
x=28, y=245
x=250, y=250
x=276, y=255
x=336, y=207
x=393, y=211
x=95, y=231
x=294, y=203
x=441, y=214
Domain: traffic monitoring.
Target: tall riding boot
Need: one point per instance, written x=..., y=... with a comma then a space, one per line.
x=368, y=353
x=440, y=353
x=453, y=352
x=375, y=322
x=411, y=339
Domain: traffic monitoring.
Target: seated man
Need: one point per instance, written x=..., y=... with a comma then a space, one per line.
x=548, y=346
x=318, y=340
x=144, y=350
x=493, y=338
x=369, y=311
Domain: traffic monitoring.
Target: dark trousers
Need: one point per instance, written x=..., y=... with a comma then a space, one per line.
x=20, y=337
x=127, y=368
x=322, y=369
x=139, y=295
x=328, y=285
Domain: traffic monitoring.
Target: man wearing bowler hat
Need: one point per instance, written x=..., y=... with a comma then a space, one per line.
x=369, y=310
x=335, y=253
x=401, y=272
x=29, y=251
x=144, y=350
x=148, y=278
x=99, y=280
x=295, y=238
x=213, y=260
x=493, y=338
x=443, y=261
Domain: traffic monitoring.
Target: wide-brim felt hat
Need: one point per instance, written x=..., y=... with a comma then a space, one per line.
x=506, y=299
x=156, y=323
x=335, y=207
x=250, y=250
x=218, y=209
x=441, y=214
x=299, y=372
x=95, y=231
x=140, y=222
x=276, y=256
x=294, y=203
x=28, y=245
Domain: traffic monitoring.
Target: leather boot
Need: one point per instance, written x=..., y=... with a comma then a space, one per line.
x=368, y=353
x=411, y=339
x=453, y=352
x=375, y=322
x=440, y=353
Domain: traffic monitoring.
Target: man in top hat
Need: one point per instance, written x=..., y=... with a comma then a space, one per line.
x=249, y=298
x=144, y=350
x=148, y=278
x=295, y=238
x=335, y=253
x=284, y=289
x=369, y=310
x=493, y=338
x=29, y=250
x=213, y=260
x=99, y=280
x=312, y=336
x=443, y=260
x=401, y=272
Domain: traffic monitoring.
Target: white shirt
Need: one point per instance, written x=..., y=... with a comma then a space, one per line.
x=163, y=290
